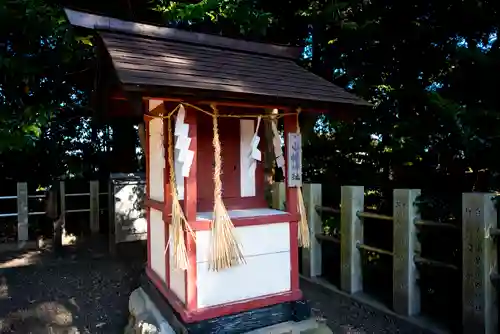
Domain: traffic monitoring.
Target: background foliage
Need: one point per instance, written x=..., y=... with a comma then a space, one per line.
x=429, y=68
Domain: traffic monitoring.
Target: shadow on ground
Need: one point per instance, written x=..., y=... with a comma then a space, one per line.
x=81, y=290
x=345, y=315
x=85, y=290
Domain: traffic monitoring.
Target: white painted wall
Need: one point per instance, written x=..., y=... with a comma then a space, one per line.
x=156, y=159
x=260, y=276
x=243, y=213
x=152, y=104
x=254, y=240
x=177, y=277
x=267, y=270
x=179, y=179
x=247, y=174
x=157, y=240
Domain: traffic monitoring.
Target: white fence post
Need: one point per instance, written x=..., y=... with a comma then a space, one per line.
x=406, y=293
x=479, y=259
x=351, y=233
x=279, y=194
x=62, y=194
x=22, y=211
x=59, y=224
x=94, y=207
x=311, y=258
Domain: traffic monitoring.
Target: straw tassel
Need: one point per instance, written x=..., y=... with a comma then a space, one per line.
x=303, y=233
x=179, y=221
x=225, y=251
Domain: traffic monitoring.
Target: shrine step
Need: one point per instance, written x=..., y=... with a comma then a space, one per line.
x=150, y=312
x=146, y=318
x=309, y=326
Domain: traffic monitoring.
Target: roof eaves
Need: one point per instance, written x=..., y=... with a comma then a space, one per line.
x=98, y=22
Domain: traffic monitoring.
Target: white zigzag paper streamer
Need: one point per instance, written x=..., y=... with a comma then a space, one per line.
x=254, y=151
x=278, y=152
x=183, y=141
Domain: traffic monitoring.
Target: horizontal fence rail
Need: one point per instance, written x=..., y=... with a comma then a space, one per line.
x=326, y=209
x=330, y=238
x=8, y=197
x=36, y=213
x=77, y=210
x=374, y=249
x=479, y=229
x=372, y=215
x=7, y=215
x=76, y=195
x=434, y=263
x=429, y=223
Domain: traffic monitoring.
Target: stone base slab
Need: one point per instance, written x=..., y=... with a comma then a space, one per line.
x=146, y=318
x=310, y=326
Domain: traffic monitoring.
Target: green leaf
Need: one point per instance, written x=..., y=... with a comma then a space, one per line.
x=87, y=40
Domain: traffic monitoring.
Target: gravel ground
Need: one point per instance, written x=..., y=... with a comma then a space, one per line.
x=78, y=293
x=346, y=316
x=87, y=292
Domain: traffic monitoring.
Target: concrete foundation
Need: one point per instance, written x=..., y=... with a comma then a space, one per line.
x=145, y=318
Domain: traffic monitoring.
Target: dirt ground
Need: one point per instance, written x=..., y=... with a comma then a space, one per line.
x=83, y=290
x=86, y=291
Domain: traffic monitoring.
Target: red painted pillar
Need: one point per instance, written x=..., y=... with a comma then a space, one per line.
x=190, y=209
x=290, y=126
x=148, y=178
x=167, y=197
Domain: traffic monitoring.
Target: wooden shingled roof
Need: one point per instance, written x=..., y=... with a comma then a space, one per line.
x=169, y=62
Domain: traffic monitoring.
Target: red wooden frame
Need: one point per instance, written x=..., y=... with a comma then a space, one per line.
x=290, y=126
x=220, y=310
x=231, y=169
x=148, y=177
x=190, y=209
x=236, y=203
x=118, y=95
x=189, y=311
x=167, y=195
x=204, y=225
x=154, y=204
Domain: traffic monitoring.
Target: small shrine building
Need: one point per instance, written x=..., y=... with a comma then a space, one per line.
x=218, y=256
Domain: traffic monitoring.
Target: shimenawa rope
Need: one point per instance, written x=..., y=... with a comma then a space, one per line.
x=225, y=250
x=179, y=222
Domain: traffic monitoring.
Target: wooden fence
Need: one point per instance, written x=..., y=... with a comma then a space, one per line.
x=23, y=210
x=479, y=249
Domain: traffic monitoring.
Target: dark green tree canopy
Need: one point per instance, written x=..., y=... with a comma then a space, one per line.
x=428, y=68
